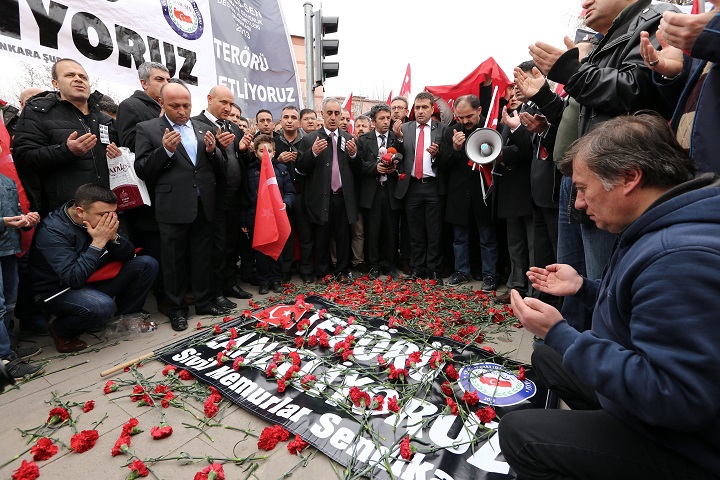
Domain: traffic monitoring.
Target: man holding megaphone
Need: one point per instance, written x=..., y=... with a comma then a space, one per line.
x=466, y=199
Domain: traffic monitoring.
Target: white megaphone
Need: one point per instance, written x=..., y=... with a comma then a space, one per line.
x=483, y=146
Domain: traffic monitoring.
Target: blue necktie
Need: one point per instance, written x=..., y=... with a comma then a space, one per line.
x=188, y=141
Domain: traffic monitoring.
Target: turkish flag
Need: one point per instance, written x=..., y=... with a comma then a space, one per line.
x=389, y=100
x=471, y=83
x=272, y=227
x=7, y=168
x=281, y=314
x=405, y=89
x=698, y=7
x=347, y=105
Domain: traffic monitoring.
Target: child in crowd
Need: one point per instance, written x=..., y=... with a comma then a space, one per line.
x=269, y=271
x=13, y=219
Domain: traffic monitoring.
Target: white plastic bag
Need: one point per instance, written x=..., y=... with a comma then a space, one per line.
x=130, y=190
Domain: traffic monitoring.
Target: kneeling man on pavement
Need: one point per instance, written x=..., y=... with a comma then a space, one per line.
x=643, y=383
x=70, y=263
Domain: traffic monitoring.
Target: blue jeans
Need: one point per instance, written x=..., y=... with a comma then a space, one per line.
x=584, y=247
x=8, y=297
x=84, y=309
x=488, y=249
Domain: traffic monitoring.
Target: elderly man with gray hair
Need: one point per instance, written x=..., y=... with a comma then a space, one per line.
x=642, y=384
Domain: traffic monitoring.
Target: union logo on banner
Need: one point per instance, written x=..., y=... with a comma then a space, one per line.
x=496, y=385
x=184, y=17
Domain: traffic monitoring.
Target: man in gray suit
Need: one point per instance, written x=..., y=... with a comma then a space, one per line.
x=180, y=157
x=422, y=188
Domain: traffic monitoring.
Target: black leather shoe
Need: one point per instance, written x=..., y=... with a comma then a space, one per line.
x=179, y=323
x=264, y=289
x=223, y=302
x=344, y=279
x=286, y=277
x=211, y=310
x=437, y=277
x=237, y=292
x=416, y=274
x=374, y=273
x=307, y=278
x=277, y=287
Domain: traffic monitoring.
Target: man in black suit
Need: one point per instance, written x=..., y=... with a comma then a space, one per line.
x=141, y=106
x=180, y=157
x=329, y=190
x=377, y=193
x=469, y=197
x=422, y=188
x=231, y=193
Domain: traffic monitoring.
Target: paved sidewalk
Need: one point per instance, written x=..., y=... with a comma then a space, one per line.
x=79, y=376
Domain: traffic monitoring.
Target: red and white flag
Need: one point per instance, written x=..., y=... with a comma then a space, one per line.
x=405, y=89
x=698, y=7
x=272, y=227
x=389, y=100
x=347, y=105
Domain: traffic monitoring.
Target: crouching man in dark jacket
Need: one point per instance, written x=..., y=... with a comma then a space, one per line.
x=82, y=267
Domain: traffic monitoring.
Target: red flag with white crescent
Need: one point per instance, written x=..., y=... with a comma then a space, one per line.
x=272, y=227
x=405, y=89
x=347, y=105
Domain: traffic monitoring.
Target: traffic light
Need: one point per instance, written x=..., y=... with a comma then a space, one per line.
x=325, y=47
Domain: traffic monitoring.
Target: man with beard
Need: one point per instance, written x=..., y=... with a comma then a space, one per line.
x=465, y=201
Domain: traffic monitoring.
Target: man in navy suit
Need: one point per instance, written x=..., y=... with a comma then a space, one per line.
x=180, y=157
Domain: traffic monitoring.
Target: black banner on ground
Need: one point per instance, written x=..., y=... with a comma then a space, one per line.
x=328, y=390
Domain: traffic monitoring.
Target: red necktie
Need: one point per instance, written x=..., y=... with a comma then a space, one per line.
x=420, y=152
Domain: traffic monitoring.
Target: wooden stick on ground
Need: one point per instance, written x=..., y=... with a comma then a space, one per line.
x=117, y=368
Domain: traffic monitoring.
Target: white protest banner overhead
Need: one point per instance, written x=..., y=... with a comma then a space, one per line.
x=241, y=44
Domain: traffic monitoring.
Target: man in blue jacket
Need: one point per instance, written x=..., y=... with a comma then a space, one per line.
x=70, y=264
x=642, y=384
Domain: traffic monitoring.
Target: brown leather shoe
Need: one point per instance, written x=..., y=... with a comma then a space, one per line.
x=503, y=298
x=66, y=345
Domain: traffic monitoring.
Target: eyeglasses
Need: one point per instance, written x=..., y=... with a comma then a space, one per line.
x=395, y=108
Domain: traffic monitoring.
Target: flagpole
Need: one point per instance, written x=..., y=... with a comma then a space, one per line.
x=492, y=102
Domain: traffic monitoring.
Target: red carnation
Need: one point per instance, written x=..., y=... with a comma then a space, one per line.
x=213, y=472
x=270, y=437
x=238, y=362
x=89, y=405
x=451, y=372
x=169, y=369
x=295, y=357
x=185, y=375
x=393, y=405
x=216, y=329
x=453, y=406
x=308, y=381
x=486, y=414
x=312, y=340
x=121, y=445
x=299, y=342
x=163, y=431
x=405, y=448
x=297, y=445
x=110, y=386
x=359, y=398
x=211, y=408
x=43, y=449
x=412, y=359
x=281, y=385
x=377, y=402
x=84, y=441
x=271, y=370
x=402, y=176
x=233, y=333
x=57, y=415
x=521, y=373
x=470, y=398
x=138, y=469
x=129, y=427
x=303, y=325
x=27, y=471
x=381, y=361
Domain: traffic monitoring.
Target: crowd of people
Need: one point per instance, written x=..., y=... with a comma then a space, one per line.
x=589, y=181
